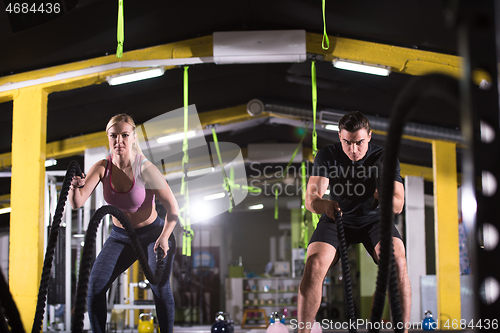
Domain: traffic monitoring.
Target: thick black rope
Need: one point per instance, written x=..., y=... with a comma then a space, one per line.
x=88, y=256
x=8, y=309
x=186, y=270
x=73, y=169
x=418, y=89
x=346, y=274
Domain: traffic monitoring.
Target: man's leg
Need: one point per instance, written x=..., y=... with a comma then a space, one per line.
x=319, y=258
x=403, y=279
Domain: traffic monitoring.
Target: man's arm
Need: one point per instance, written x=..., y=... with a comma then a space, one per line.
x=316, y=187
x=398, y=200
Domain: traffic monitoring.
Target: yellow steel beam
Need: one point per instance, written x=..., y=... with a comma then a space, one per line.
x=446, y=230
x=197, y=47
x=27, y=197
x=399, y=59
x=417, y=171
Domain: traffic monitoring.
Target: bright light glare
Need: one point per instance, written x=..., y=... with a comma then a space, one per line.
x=200, y=172
x=360, y=67
x=332, y=127
x=203, y=209
x=214, y=196
x=259, y=206
x=175, y=137
x=5, y=210
x=134, y=76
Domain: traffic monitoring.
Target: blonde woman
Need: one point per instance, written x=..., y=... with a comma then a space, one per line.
x=131, y=183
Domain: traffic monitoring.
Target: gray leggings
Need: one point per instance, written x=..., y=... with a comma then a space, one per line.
x=115, y=257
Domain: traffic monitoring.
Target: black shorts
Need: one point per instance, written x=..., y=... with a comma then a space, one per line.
x=369, y=234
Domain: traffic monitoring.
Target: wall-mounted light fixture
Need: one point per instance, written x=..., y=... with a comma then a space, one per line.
x=332, y=127
x=175, y=137
x=135, y=76
x=361, y=67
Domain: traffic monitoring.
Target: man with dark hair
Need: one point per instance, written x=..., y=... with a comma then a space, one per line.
x=348, y=169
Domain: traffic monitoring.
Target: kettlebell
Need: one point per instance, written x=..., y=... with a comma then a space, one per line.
x=146, y=324
x=428, y=324
x=223, y=323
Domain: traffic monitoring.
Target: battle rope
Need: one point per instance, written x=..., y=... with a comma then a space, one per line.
x=73, y=169
x=418, y=89
x=88, y=255
x=346, y=273
x=8, y=309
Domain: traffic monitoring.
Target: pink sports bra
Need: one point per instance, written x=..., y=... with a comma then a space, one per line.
x=137, y=198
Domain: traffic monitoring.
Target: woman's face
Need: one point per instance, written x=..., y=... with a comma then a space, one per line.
x=121, y=137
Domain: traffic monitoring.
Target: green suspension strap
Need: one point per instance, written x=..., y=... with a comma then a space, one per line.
x=226, y=181
x=315, y=217
x=120, y=34
x=325, y=35
x=285, y=173
x=185, y=220
x=230, y=183
x=304, y=237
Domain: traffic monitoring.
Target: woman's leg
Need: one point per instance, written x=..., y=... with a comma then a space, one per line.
x=164, y=299
x=114, y=258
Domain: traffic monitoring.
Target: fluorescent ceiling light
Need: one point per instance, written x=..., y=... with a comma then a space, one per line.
x=259, y=206
x=200, y=172
x=134, y=76
x=79, y=235
x=5, y=210
x=332, y=127
x=361, y=67
x=214, y=196
x=50, y=162
x=175, y=137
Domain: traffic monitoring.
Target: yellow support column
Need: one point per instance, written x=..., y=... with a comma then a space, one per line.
x=29, y=132
x=446, y=229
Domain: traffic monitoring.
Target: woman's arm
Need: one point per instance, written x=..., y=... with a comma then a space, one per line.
x=156, y=182
x=77, y=194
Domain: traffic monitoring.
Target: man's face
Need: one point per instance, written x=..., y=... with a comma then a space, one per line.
x=355, y=144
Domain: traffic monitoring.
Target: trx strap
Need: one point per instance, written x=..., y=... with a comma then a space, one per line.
x=304, y=224
x=120, y=34
x=285, y=173
x=315, y=217
x=325, y=35
x=226, y=181
x=188, y=234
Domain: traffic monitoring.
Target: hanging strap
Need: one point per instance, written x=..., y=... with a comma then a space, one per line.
x=285, y=173
x=303, y=223
x=325, y=35
x=120, y=34
x=226, y=181
x=188, y=233
x=315, y=217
